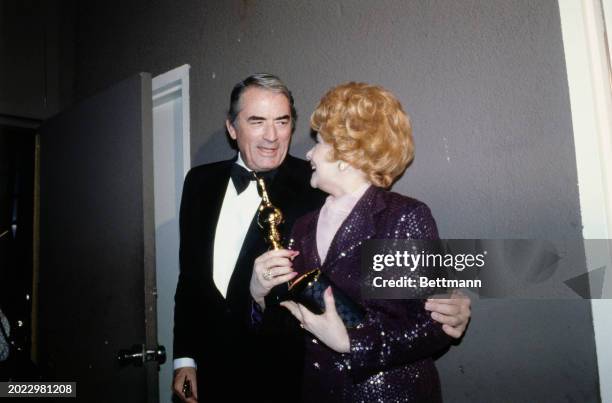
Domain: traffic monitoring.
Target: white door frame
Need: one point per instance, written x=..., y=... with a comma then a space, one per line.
x=588, y=64
x=170, y=83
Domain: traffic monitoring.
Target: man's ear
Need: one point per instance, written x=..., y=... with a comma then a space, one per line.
x=230, y=129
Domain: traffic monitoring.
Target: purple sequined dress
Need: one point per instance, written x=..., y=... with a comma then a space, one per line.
x=391, y=352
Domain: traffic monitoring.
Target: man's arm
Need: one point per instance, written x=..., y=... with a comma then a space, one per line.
x=185, y=299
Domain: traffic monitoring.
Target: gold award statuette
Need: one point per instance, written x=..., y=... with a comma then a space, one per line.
x=307, y=289
x=269, y=217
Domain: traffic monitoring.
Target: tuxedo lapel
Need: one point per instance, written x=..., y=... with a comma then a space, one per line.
x=284, y=188
x=252, y=246
x=359, y=226
x=213, y=193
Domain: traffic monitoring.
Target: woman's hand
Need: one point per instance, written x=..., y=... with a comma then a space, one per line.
x=269, y=270
x=327, y=327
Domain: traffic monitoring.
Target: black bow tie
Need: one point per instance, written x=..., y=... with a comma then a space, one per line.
x=241, y=177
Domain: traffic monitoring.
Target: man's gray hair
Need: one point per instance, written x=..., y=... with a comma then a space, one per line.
x=262, y=80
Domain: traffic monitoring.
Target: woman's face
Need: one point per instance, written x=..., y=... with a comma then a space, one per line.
x=325, y=173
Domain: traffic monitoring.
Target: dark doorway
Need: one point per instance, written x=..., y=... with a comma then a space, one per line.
x=17, y=166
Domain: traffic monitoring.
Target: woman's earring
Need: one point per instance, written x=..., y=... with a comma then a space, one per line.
x=341, y=165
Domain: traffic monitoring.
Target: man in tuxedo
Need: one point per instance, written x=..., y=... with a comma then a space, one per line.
x=215, y=350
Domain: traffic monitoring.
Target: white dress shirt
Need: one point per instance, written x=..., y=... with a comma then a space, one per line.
x=237, y=212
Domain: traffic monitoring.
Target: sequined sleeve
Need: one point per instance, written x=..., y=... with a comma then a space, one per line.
x=397, y=332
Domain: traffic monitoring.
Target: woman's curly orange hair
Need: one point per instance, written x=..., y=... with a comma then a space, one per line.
x=367, y=127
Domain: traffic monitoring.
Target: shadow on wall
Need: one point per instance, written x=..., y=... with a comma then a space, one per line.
x=217, y=147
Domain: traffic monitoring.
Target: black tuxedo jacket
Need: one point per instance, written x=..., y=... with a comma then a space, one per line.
x=207, y=327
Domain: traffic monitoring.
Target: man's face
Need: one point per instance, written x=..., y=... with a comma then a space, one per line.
x=262, y=128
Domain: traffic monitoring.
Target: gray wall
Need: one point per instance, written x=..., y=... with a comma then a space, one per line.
x=36, y=38
x=485, y=84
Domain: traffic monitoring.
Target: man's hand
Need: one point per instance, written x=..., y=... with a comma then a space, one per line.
x=454, y=313
x=180, y=375
x=269, y=270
